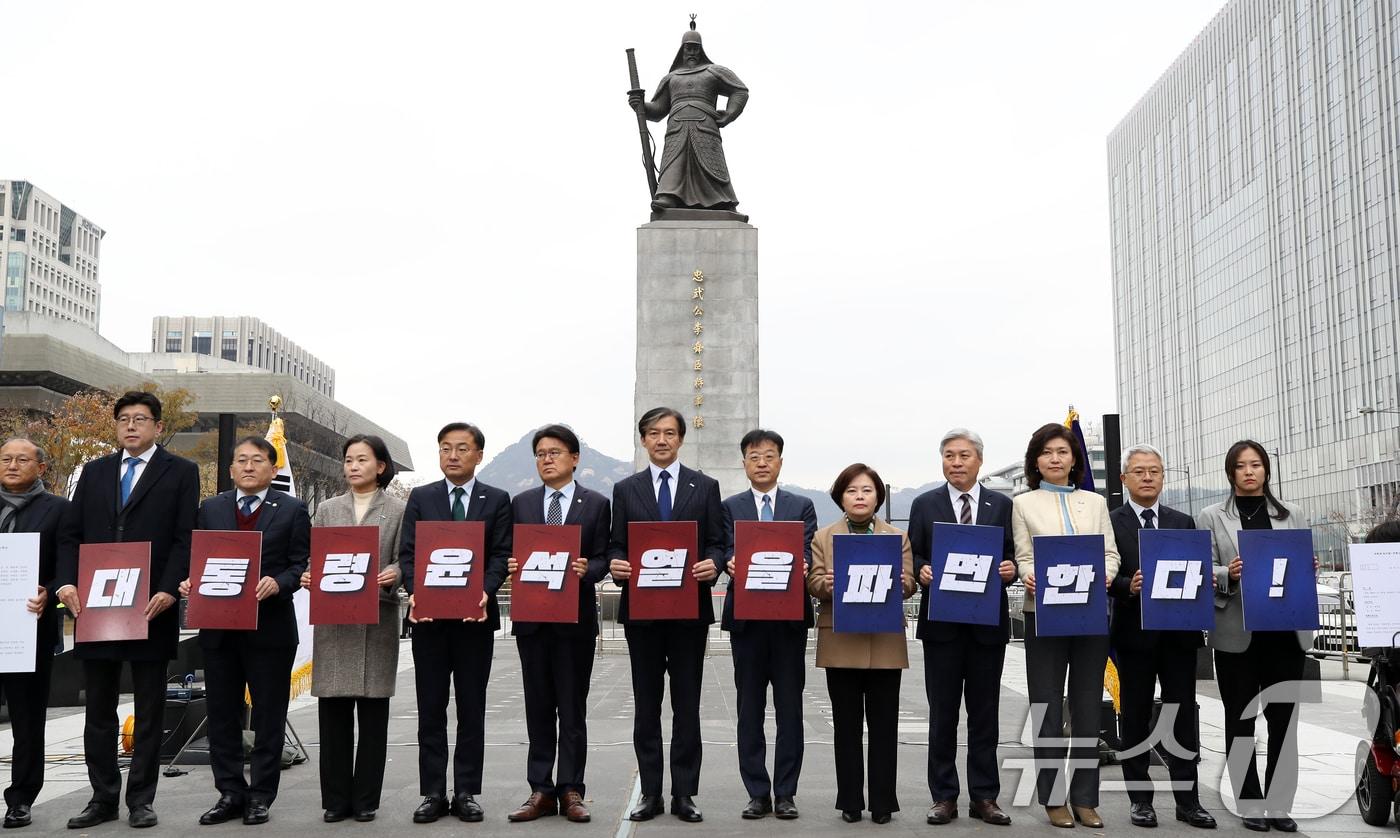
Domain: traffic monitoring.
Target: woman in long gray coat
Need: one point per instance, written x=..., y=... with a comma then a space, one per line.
x=354, y=667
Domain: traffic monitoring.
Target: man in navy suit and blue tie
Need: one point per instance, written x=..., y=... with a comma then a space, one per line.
x=768, y=652
x=1146, y=657
x=962, y=660
x=455, y=652
x=140, y=493
x=261, y=658
x=556, y=659
x=667, y=491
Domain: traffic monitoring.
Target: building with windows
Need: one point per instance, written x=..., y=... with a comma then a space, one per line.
x=243, y=340
x=49, y=254
x=1255, y=232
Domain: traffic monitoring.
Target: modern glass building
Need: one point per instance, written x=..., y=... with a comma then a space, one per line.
x=49, y=256
x=1255, y=225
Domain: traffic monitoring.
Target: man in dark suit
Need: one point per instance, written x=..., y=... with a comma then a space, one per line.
x=448, y=653
x=962, y=660
x=768, y=652
x=1145, y=657
x=556, y=659
x=262, y=658
x=26, y=506
x=667, y=491
x=141, y=493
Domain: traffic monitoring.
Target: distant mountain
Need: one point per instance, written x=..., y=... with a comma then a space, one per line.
x=513, y=470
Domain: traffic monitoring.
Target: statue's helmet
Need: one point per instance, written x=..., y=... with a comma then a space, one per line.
x=691, y=36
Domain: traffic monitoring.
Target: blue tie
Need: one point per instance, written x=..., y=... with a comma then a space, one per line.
x=248, y=502
x=663, y=497
x=129, y=477
x=767, y=513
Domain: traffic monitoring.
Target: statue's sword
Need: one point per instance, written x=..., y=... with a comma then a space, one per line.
x=647, y=159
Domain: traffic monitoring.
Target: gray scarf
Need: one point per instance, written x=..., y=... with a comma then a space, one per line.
x=11, y=503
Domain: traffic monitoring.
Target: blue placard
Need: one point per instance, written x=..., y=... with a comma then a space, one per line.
x=868, y=589
x=1070, y=596
x=966, y=564
x=1177, y=569
x=1277, y=585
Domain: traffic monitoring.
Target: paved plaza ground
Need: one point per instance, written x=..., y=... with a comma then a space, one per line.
x=1328, y=735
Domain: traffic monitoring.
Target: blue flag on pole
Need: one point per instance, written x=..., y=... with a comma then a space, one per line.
x=1176, y=580
x=966, y=562
x=1277, y=586
x=1070, y=597
x=868, y=590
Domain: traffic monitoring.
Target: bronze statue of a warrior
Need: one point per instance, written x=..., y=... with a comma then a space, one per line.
x=693, y=173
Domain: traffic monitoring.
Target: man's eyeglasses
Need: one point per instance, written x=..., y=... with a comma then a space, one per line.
x=1145, y=472
x=18, y=461
x=551, y=454
x=138, y=420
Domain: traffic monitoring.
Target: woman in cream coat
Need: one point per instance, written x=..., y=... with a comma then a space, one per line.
x=354, y=668
x=1054, y=467
x=1248, y=662
x=862, y=670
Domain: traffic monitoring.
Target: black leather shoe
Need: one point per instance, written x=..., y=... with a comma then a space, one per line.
x=333, y=816
x=226, y=809
x=1283, y=823
x=941, y=812
x=1196, y=816
x=365, y=815
x=142, y=817
x=785, y=808
x=432, y=808
x=17, y=816
x=255, y=812
x=647, y=808
x=1256, y=824
x=94, y=814
x=467, y=808
x=1143, y=815
x=850, y=815
x=759, y=807
x=879, y=817
x=685, y=809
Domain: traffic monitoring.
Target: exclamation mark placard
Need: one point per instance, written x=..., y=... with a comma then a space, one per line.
x=1280, y=568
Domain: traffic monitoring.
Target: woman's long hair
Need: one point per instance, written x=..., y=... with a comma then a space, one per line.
x=1232, y=458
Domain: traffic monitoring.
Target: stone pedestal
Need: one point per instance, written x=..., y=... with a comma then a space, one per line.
x=709, y=321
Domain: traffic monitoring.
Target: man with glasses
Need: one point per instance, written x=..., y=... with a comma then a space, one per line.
x=667, y=491
x=261, y=658
x=768, y=652
x=556, y=659
x=1146, y=657
x=448, y=653
x=141, y=493
x=26, y=506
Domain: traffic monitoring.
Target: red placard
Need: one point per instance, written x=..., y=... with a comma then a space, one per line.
x=344, y=576
x=225, y=566
x=544, y=588
x=113, y=588
x=449, y=570
x=661, y=586
x=770, y=570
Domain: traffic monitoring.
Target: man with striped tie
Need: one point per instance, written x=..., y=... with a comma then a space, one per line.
x=961, y=660
x=556, y=659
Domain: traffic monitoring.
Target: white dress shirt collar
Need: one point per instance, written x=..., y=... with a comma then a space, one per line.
x=758, y=497
x=1156, y=512
x=674, y=469
x=239, y=495
x=974, y=495
x=467, y=488
x=564, y=502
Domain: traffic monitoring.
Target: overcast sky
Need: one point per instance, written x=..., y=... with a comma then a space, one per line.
x=440, y=200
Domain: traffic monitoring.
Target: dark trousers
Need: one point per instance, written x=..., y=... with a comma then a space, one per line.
x=557, y=666
x=657, y=650
x=352, y=773
x=769, y=653
x=266, y=671
x=1139, y=670
x=1272, y=657
x=870, y=696
x=102, y=680
x=27, y=694
x=451, y=656
x=1048, y=661
x=954, y=669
